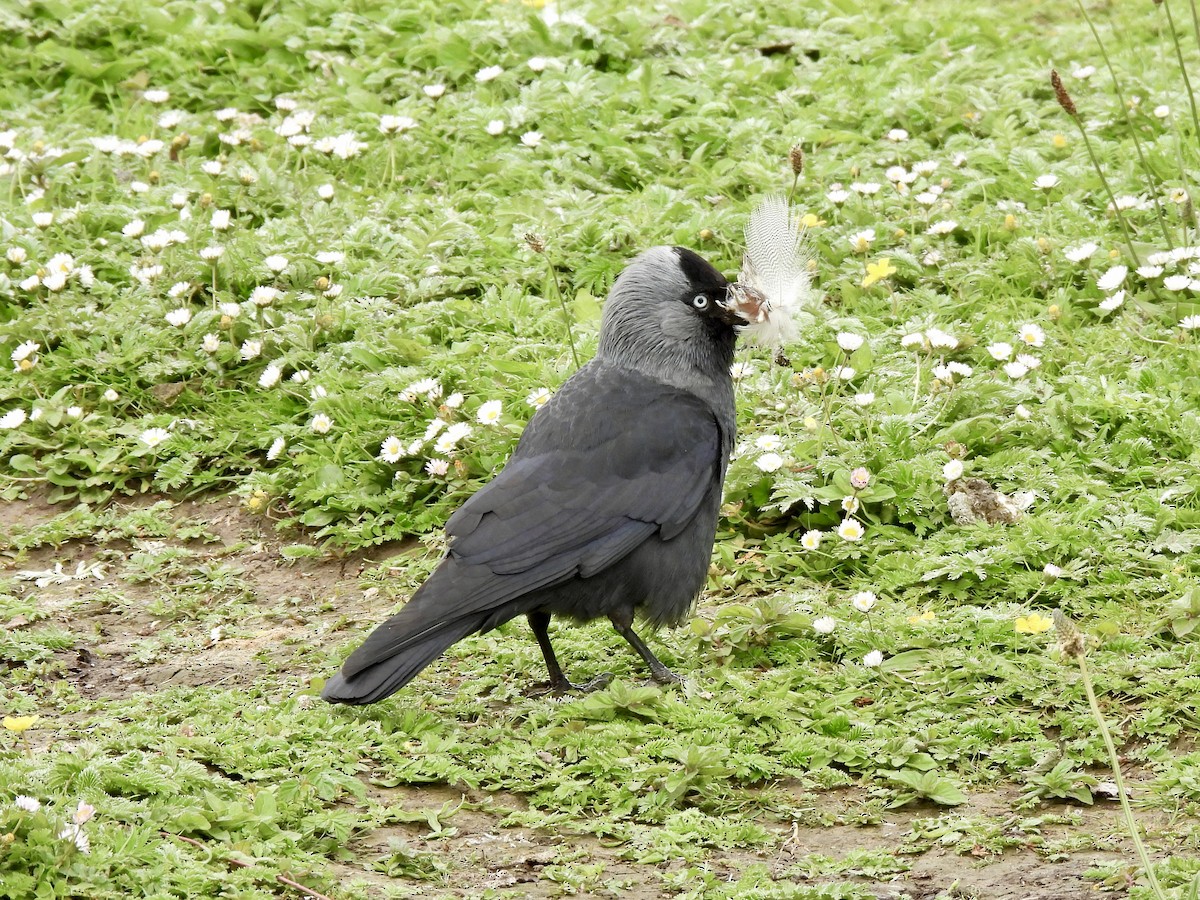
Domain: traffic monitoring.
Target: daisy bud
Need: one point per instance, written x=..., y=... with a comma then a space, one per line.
x=178, y=144
x=860, y=478
x=1061, y=95
x=796, y=158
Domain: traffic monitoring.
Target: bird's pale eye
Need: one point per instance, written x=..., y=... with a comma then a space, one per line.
x=700, y=301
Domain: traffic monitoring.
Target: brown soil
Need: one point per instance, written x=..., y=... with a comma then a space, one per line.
x=481, y=854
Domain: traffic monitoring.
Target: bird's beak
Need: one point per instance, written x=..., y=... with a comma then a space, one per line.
x=749, y=306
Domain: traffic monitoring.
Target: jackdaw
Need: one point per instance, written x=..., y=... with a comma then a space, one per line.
x=609, y=504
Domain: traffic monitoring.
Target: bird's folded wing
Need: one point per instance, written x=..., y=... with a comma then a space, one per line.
x=581, y=492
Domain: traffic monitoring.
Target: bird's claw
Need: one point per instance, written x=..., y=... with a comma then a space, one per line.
x=665, y=676
x=565, y=687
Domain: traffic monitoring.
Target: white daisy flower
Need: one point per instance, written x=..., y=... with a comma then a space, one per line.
x=489, y=413
x=250, y=349
x=110, y=396
x=220, y=219
x=768, y=442
x=850, y=530
x=1190, y=323
x=1022, y=411
x=861, y=241
x=391, y=450
x=1028, y=360
x=1031, y=335
x=863, y=601
x=1001, y=350
x=495, y=127
x=873, y=660
x=945, y=226
x=16, y=255
x=43, y=219
x=1177, y=282
x=897, y=135
x=1015, y=369
x=276, y=263
x=1045, y=182
x=14, y=418
x=837, y=196
x=455, y=400
x=321, y=423
x=811, y=540
x=824, y=625
x=210, y=344
x=179, y=317
x=769, y=462
x=1083, y=73
x=1108, y=304
x=537, y=398
x=1081, y=252
x=848, y=341
x=325, y=192
x=531, y=138
x=940, y=339
x=437, y=467
x=153, y=437
x=1112, y=279
x=866, y=188
x=134, y=229
x=28, y=804
x=270, y=376
x=488, y=74
x=1149, y=271
x=212, y=253
x=156, y=95
x=264, y=295
x=953, y=470
x=433, y=91
x=866, y=398
x=396, y=124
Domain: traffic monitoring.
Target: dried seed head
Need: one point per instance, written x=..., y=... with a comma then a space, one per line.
x=1070, y=638
x=1061, y=95
x=796, y=158
x=535, y=242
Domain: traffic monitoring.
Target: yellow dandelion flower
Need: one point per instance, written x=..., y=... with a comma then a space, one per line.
x=17, y=724
x=1060, y=141
x=1034, y=623
x=811, y=220
x=877, y=271
x=927, y=616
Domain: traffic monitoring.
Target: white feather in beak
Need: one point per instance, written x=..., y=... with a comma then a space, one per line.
x=774, y=290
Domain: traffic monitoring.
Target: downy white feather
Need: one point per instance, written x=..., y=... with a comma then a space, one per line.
x=775, y=265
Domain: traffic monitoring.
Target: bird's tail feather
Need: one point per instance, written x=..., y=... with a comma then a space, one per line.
x=383, y=665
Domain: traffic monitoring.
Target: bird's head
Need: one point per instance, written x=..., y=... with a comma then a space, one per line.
x=671, y=310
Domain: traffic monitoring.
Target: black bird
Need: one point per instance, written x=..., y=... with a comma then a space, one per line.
x=609, y=504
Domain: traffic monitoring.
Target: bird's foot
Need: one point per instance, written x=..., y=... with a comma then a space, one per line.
x=663, y=675
x=563, y=687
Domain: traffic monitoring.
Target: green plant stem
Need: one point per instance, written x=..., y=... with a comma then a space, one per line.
x=1122, y=794
x=1187, y=82
x=1108, y=190
x=1137, y=142
x=562, y=302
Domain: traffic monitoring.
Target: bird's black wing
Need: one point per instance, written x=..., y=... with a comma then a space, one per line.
x=613, y=458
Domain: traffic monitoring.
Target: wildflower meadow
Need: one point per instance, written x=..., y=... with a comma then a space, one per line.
x=280, y=286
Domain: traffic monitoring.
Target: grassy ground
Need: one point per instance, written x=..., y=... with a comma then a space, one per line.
x=259, y=260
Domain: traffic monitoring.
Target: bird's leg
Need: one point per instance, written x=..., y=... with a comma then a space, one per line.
x=539, y=622
x=623, y=622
